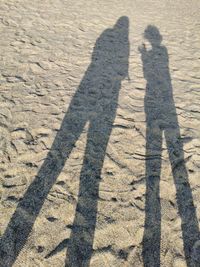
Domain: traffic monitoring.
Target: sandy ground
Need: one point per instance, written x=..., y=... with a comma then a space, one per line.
x=99, y=134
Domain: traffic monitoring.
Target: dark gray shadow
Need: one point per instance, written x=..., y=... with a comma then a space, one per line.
x=161, y=118
x=96, y=101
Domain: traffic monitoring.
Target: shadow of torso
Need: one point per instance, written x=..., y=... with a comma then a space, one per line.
x=159, y=102
x=99, y=89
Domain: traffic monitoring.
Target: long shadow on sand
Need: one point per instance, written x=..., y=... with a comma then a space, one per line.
x=161, y=118
x=96, y=101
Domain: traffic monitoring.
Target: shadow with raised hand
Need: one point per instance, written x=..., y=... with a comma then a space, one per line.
x=96, y=101
x=161, y=118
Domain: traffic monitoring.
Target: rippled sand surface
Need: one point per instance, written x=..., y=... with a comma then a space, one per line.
x=99, y=133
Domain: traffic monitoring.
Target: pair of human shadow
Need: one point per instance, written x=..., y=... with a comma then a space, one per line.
x=96, y=101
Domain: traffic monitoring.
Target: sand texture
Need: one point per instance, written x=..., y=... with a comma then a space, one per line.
x=99, y=133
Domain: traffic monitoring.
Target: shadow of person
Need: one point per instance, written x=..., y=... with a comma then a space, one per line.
x=161, y=118
x=96, y=101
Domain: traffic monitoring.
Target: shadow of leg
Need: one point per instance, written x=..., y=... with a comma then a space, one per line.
x=190, y=228
x=29, y=207
x=152, y=230
x=81, y=240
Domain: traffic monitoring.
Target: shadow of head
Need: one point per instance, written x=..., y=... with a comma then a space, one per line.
x=122, y=23
x=153, y=35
